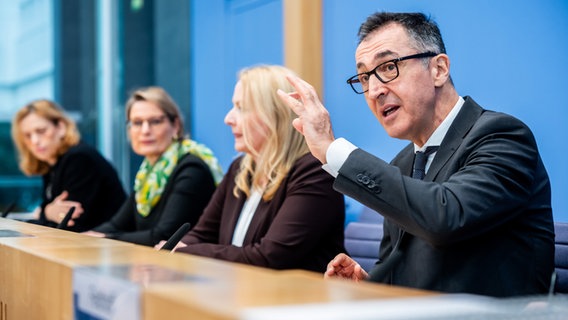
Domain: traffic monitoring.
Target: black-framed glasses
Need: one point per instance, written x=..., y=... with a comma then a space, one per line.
x=385, y=72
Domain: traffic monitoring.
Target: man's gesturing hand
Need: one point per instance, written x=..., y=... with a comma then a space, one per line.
x=313, y=119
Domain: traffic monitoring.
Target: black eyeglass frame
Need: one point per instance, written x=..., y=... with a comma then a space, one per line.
x=355, y=78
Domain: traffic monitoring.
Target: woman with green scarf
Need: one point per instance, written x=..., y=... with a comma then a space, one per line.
x=176, y=178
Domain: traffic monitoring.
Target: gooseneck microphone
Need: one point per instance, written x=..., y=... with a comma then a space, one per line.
x=63, y=223
x=9, y=208
x=176, y=237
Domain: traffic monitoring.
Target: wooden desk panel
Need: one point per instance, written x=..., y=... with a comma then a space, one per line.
x=34, y=282
x=227, y=295
x=36, y=279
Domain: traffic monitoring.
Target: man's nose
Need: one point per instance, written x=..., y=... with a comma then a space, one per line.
x=376, y=87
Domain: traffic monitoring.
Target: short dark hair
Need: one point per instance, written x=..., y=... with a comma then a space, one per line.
x=423, y=31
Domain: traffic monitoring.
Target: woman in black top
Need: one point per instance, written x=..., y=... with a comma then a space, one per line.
x=176, y=179
x=74, y=174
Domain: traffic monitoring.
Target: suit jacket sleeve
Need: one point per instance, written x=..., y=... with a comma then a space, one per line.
x=482, y=177
x=122, y=221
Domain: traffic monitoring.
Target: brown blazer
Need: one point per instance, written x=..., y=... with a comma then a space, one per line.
x=300, y=228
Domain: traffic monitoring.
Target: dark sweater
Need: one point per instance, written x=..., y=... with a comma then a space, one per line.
x=186, y=193
x=90, y=180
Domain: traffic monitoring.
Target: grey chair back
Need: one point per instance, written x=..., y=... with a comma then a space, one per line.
x=561, y=256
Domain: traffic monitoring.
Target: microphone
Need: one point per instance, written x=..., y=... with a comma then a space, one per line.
x=63, y=223
x=176, y=237
x=8, y=209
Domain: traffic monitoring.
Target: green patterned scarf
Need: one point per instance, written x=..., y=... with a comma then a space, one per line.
x=151, y=179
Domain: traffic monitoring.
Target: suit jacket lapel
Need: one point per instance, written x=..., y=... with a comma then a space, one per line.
x=463, y=122
x=404, y=160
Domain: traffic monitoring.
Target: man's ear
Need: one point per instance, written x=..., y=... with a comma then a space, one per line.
x=440, y=69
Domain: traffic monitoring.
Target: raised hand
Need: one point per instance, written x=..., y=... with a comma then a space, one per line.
x=313, y=118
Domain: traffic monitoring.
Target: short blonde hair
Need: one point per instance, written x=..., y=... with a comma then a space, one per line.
x=52, y=112
x=283, y=145
x=162, y=99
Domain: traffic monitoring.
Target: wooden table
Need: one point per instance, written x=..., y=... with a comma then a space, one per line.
x=36, y=275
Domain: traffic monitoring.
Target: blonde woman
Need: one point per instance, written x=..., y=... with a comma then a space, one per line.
x=175, y=180
x=74, y=174
x=275, y=207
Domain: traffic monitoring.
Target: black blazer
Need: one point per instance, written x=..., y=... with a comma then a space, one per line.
x=186, y=193
x=90, y=179
x=481, y=220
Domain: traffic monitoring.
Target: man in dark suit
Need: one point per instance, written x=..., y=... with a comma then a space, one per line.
x=480, y=220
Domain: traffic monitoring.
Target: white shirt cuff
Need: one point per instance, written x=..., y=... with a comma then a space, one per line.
x=336, y=155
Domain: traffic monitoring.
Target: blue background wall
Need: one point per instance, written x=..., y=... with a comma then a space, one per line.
x=226, y=37
x=509, y=55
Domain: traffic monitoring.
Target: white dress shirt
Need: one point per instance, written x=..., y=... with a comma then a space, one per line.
x=340, y=149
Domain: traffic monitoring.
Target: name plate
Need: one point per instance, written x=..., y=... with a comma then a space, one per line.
x=4, y=233
x=98, y=295
x=114, y=292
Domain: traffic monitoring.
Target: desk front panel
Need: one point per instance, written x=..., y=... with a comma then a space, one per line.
x=36, y=275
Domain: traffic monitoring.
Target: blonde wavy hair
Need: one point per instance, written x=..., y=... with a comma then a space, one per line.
x=283, y=144
x=29, y=164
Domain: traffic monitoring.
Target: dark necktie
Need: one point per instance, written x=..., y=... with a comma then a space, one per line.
x=380, y=272
x=420, y=159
